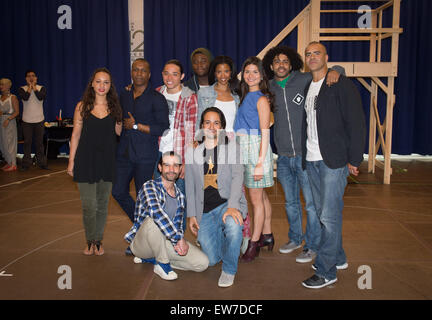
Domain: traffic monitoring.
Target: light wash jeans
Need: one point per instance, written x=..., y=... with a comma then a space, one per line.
x=219, y=240
x=328, y=187
x=293, y=178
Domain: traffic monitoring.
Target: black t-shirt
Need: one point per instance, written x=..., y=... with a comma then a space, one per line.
x=212, y=198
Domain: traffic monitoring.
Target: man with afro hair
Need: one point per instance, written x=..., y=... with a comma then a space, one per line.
x=283, y=66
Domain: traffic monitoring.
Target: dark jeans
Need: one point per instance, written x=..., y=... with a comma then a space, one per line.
x=126, y=171
x=33, y=131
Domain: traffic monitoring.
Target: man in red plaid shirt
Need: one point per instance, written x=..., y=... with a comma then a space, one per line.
x=183, y=107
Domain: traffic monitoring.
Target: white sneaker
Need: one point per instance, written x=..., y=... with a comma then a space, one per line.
x=289, y=247
x=226, y=280
x=137, y=260
x=161, y=273
x=338, y=267
x=306, y=256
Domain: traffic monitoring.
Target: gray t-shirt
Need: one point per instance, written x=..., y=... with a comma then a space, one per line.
x=170, y=206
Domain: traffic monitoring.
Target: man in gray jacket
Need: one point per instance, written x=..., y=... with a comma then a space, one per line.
x=216, y=202
x=283, y=64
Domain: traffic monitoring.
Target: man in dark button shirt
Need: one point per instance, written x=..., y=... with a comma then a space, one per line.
x=145, y=114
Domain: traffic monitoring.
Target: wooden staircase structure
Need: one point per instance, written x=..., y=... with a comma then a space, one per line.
x=369, y=73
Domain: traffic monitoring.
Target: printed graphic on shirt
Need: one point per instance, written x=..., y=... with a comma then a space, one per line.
x=298, y=99
x=210, y=179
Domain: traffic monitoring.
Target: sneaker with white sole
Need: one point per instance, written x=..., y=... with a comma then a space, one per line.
x=289, y=247
x=338, y=267
x=317, y=282
x=161, y=273
x=306, y=256
x=226, y=280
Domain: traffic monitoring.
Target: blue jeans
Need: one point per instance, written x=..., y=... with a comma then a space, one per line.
x=328, y=187
x=180, y=183
x=219, y=240
x=292, y=177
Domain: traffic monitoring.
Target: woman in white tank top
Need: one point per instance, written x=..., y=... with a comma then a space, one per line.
x=9, y=110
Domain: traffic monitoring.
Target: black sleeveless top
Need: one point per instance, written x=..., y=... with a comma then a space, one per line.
x=95, y=156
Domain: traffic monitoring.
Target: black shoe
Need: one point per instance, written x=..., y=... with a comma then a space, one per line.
x=23, y=168
x=44, y=167
x=317, y=282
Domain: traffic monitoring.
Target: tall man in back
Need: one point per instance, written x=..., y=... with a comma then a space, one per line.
x=333, y=142
x=145, y=114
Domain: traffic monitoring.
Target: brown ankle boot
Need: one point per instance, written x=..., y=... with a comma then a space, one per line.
x=267, y=240
x=251, y=252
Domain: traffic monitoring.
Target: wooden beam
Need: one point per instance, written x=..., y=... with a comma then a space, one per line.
x=372, y=128
x=365, y=69
x=384, y=6
x=344, y=38
x=315, y=19
x=284, y=33
x=381, y=84
x=389, y=131
x=365, y=84
x=359, y=30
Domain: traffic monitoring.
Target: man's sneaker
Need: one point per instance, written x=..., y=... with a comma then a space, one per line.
x=128, y=251
x=338, y=267
x=161, y=273
x=226, y=280
x=317, y=282
x=289, y=247
x=306, y=256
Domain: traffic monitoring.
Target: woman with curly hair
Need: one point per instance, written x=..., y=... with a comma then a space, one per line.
x=97, y=121
x=252, y=128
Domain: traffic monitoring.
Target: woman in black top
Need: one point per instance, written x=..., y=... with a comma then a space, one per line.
x=97, y=121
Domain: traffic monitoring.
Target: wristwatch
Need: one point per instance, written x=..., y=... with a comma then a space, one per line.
x=135, y=127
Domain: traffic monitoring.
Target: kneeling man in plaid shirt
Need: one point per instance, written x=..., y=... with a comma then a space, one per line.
x=157, y=233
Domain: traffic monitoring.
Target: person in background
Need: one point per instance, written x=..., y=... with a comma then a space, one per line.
x=97, y=123
x=9, y=110
x=201, y=59
x=214, y=190
x=33, y=96
x=252, y=128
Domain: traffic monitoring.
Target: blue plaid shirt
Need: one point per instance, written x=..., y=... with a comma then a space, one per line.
x=151, y=203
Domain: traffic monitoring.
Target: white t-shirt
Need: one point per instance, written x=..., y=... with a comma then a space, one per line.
x=33, y=108
x=167, y=140
x=312, y=142
x=228, y=108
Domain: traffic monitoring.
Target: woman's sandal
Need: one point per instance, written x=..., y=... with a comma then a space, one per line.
x=89, y=250
x=98, y=249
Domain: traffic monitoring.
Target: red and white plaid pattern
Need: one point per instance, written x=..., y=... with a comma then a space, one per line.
x=184, y=121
